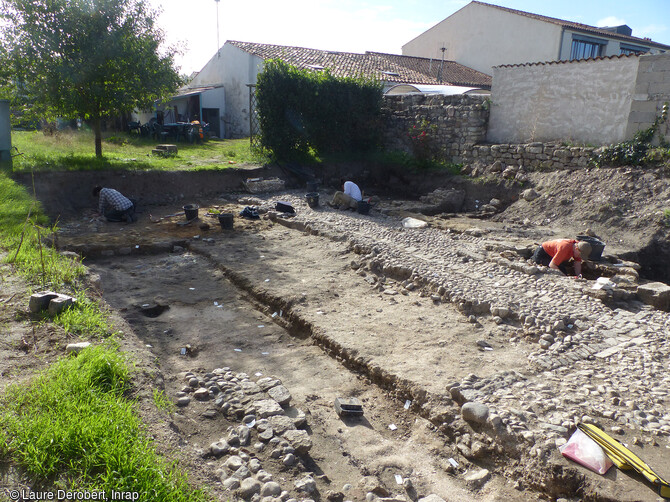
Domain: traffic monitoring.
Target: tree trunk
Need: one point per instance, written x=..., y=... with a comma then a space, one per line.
x=98, y=137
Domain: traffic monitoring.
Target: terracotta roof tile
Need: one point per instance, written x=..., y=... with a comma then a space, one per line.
x=390, y=68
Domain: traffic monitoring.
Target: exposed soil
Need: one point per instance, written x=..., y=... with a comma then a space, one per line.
x=274, y=298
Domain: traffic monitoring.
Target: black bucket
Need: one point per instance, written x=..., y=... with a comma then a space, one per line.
x=312, y=199
x=363, y=206
x=226, y=221
x=312, y=186
x=191, y=211
x=597, y=246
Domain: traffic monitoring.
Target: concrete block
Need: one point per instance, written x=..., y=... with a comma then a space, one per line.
x=60, y=303
x=660, y=88
x=662, y=63
x=645, y=106
x=40, y=301
x=642, y=117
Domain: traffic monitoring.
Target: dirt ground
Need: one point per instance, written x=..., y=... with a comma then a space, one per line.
x=266, y=299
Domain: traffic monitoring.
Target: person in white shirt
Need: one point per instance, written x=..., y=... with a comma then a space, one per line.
x=349, y=196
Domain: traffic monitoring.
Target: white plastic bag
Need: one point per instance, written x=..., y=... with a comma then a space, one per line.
x=585, y=451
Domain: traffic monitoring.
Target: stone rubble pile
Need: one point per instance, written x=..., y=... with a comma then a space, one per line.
x=593, y=362
x=270, y=436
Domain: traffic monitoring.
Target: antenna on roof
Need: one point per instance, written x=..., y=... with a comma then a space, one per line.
x=439, y=73
x=218, y=44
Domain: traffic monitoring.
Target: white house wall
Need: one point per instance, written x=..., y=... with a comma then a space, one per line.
x=482, y=37
x=235, y=69
x=583, y=102
x=216, y=98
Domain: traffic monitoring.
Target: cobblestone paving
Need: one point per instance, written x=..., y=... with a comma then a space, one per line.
x=592, y=362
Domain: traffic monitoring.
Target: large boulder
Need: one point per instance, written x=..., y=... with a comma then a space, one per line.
x=656, y=294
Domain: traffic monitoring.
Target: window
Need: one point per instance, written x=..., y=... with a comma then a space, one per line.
x=584, y=50
x=632, y=49
x=587, y=47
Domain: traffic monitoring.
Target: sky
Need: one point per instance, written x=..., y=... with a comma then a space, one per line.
x=366, y=25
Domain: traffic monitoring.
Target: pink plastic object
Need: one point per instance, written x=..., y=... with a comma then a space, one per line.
x=585, y=451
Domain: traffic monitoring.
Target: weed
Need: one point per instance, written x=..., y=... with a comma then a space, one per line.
x=636, y=152
x=84, y=319
x=162, y=402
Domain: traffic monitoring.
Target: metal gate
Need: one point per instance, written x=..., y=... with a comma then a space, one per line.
x=254, y=124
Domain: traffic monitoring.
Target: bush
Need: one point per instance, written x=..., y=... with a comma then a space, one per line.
x=637, y=151
x=302, y=110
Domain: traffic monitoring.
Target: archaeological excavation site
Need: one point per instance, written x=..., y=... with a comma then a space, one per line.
x=410, y=351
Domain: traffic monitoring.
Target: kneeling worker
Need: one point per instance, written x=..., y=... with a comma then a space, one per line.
x=557, y=254
x=114, y=206
x=349, y=196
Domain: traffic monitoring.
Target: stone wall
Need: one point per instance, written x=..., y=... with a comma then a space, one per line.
x=532, y=156
x=458, y=122
x=460, y=130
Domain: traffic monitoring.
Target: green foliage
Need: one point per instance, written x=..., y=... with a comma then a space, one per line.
x=665, y=219
x=163, y=402
x=636, y=151
x=73, y=427
x=421, y=136
x=302, y=110
x=84, y=58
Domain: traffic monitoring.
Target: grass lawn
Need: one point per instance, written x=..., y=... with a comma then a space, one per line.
x=75, y=151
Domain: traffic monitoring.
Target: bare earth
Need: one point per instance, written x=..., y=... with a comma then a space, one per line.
x=310, y=301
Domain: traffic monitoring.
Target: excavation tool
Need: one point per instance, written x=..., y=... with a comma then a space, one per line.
x=625, y=459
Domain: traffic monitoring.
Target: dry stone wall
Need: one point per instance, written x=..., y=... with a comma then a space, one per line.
x=457, y=131
x=533, y=156
x=456, y=122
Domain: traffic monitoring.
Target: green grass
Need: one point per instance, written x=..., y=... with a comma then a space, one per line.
x=74, y=151
x=163, y=402
x=72, y=428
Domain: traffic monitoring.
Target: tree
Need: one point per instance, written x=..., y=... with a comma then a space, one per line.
x=86, y=58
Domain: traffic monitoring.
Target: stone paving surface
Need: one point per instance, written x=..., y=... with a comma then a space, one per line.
x=592, y=362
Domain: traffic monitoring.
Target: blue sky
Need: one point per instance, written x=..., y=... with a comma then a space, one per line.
x=368, y=25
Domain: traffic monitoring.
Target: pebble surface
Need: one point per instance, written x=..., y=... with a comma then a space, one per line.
x=593, y=362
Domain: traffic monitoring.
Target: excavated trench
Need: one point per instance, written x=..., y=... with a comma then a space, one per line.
x=164, y=306
x=314, y=367
x=428, y=420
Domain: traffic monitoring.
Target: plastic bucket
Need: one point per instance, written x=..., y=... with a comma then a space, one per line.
x=312, y=199
x=597, y=246
x=363, y=206
x=191, y=211
x=226, y=221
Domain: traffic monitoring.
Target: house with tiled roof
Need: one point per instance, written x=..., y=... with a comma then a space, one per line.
x=482, y=35
x=234, y=68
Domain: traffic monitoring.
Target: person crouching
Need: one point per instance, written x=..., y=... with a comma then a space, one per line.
x=558, y=254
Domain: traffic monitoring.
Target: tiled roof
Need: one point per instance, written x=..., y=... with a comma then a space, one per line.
x=579, y=26
x=390, y=68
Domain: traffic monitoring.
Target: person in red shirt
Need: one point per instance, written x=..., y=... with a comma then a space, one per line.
x=557, y=254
